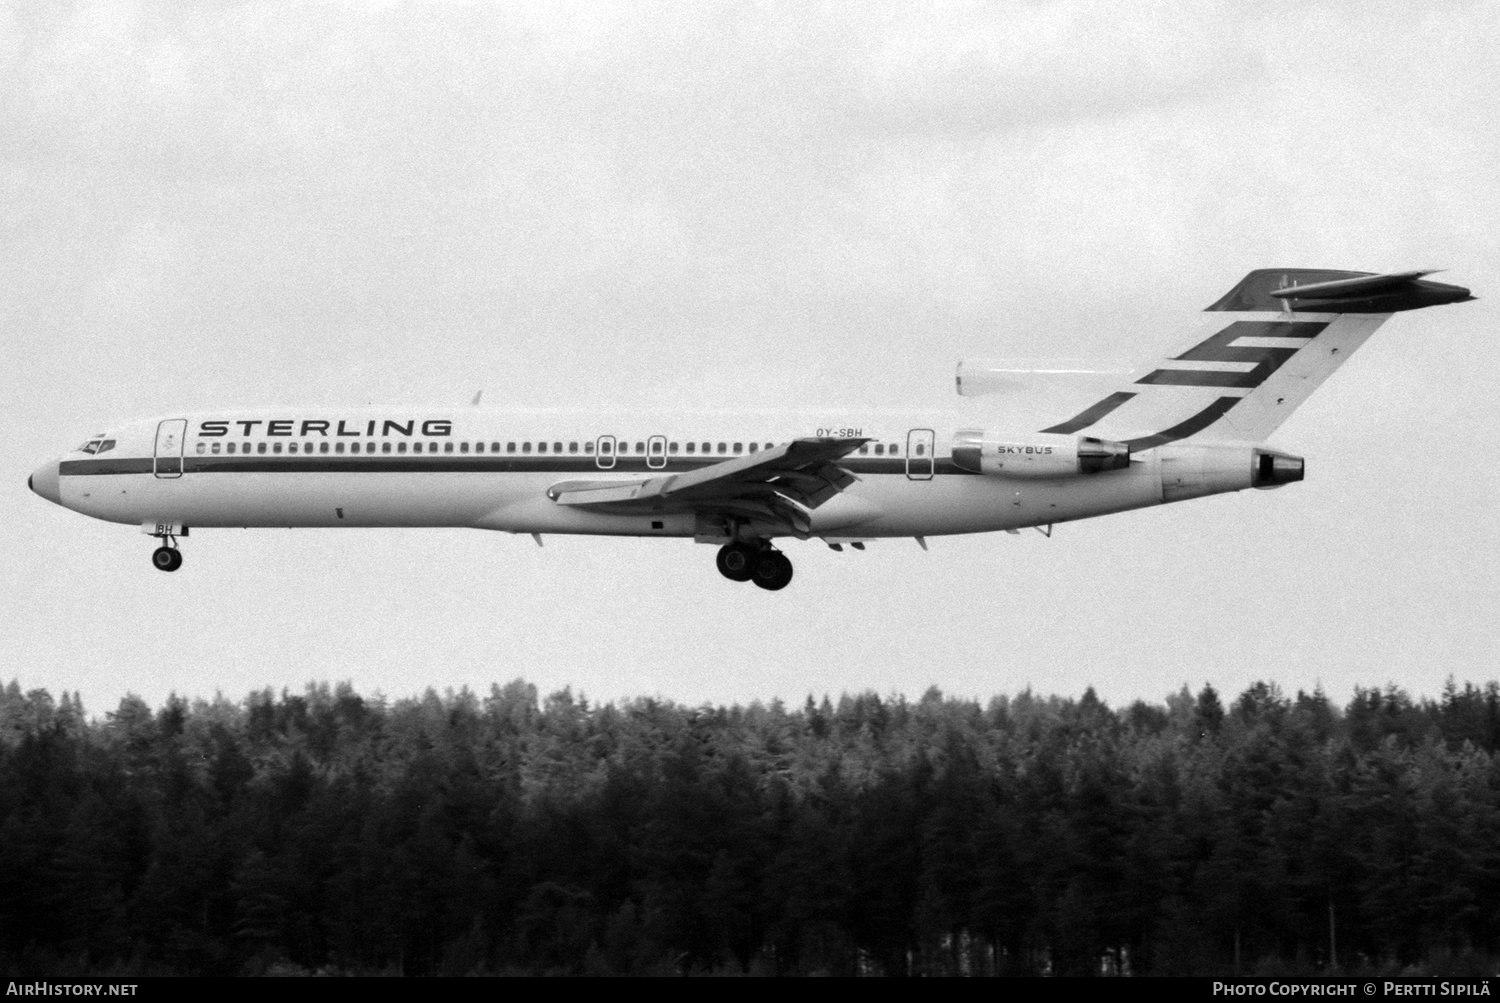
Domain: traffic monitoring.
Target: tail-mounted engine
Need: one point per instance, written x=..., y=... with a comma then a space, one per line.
x=1038, y=455
x=1271, y=469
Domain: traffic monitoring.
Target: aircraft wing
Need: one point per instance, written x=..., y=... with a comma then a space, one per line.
x=780, y=485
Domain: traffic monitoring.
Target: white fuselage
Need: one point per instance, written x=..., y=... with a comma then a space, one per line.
x=491, y=469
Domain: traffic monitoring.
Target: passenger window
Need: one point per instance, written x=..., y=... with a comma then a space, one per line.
x=893, y=449
x=708, y=447
x=447, y=447
x=541, y=447
x=201, y=446
x=385, y=447
x=322, y=447
x=864, y=450
x=494, y=447
x=228, y=448
x=640, y=447
x=463, y=447
x=400, y=447
x=605, y=447
x=754, y=446
x=525, y=447
x=738, y=448
x=260, y=447
x=769, y=446
x=723, y=447
x=879, y=449
x=672, y=447
x=510, y=447
x=588, y=447
x=214, y=448
x=557, y=447
x=276, y=448
x=921, y=449
x=572, y=447
x=338, y=447
x=691, y=447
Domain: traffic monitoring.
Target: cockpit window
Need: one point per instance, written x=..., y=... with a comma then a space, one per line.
x=99, y=444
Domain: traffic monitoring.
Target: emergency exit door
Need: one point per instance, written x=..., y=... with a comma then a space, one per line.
x=604, y=452
x=919, y=446
x=169, y=437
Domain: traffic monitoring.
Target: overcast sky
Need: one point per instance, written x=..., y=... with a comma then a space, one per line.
x=634, y=205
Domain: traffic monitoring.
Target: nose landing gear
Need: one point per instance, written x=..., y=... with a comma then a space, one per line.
x=746, y=562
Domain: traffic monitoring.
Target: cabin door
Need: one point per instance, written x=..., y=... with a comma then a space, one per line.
x=919, y=446
x=169, y=437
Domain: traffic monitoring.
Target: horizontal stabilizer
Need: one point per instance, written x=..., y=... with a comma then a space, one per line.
x=1309, y=290
x=987, y=377
x=1348, y=288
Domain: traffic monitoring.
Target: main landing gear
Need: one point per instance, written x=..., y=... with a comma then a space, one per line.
x=166, y=557
x=747, y=562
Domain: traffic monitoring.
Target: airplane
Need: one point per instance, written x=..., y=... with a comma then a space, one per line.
x=1185, y=426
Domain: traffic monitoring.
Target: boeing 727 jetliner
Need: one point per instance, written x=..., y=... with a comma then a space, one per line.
x=1189, y=425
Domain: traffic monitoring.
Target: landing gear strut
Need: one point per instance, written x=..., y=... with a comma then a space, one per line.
x=746, y=562
x=166, y=557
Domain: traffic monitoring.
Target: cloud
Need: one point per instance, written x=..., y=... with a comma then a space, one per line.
x=700, y=205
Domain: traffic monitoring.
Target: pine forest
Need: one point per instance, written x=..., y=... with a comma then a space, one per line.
x=510, y=833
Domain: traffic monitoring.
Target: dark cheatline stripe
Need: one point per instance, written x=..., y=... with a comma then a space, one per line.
x=408, y=464
x=381, y=464
x=1221, y=348
x=1192, y=426
x=122, y=465
x=1087, y=417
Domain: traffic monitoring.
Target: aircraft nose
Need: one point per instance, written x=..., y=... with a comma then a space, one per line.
x=44, y=482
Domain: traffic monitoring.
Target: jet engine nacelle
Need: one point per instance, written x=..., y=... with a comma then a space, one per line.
x=1038, y=455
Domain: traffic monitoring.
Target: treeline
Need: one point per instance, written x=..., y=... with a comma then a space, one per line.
x=462, y=834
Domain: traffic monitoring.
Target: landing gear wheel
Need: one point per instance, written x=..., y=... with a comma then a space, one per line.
x=166, y=559
x=773, y=571
x=737, y=561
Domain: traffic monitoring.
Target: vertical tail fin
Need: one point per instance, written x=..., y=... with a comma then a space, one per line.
x=1286, y=331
